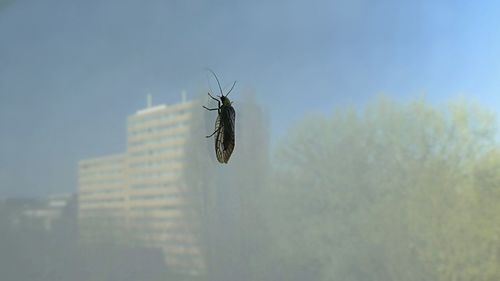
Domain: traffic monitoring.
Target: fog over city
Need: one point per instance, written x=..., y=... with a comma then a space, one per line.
x=366, y=140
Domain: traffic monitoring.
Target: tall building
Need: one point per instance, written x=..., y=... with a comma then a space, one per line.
x=156, y=149
x=139, y=193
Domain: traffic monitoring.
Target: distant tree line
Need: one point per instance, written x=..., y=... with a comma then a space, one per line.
x=395, y=192
x=392, y=192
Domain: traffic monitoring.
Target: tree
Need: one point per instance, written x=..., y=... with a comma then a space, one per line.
x=384, y=194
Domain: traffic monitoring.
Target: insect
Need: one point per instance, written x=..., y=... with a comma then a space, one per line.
x=224, y=125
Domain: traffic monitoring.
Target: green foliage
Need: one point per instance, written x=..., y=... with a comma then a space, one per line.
x=397, y=192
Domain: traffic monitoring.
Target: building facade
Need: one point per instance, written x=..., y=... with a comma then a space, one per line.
x=102, y=198
x=139, y=193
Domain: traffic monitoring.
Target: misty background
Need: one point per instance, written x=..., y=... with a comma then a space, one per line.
x=71, y=70
x=366, y=146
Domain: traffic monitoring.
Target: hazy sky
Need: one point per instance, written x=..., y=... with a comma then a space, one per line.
x=72, y=71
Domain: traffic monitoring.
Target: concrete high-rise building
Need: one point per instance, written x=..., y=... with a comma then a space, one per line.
x=156, y=152
x=140, y=192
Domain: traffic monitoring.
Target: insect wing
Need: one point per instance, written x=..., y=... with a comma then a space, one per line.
x=224, y=138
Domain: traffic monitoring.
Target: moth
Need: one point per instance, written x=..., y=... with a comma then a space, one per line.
x=224, y=125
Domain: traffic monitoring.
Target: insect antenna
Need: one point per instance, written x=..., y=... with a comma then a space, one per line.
x=231, y=88
x=218, y=83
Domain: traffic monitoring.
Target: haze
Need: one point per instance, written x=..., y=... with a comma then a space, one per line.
x=366, y=147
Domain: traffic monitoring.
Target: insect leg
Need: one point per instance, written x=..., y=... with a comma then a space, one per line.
x=213, y=97
x=210, y=109
x=218, y=101
x=213, y=133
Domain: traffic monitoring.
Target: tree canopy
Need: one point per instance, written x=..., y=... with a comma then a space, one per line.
x=395, y=192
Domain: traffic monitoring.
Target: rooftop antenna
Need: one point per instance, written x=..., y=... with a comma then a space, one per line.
x=149, y=100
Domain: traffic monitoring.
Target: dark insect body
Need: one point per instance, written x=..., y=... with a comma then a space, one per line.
x=224, y=125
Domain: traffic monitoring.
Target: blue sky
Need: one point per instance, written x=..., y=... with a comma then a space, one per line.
x=71, y=71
